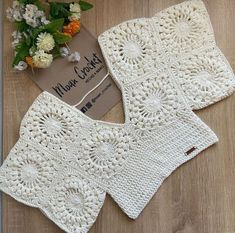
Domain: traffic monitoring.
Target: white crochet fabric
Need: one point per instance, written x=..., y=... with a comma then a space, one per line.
x=179, y=39
x=64, y=162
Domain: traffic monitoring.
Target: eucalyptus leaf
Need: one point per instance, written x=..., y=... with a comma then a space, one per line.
x=85, y=5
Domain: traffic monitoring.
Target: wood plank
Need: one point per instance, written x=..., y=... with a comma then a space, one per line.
x=198, y=197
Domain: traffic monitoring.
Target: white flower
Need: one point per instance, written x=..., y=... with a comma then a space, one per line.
x=75, y=11
x=17, y=16
x=74, y=16
x=74, y=57
x=31, y=7
x=9, y=14
x=64, y=52
x=44, y=20
x=14, y=43
x=39, y=14
x=42, y=59
x=75, y=7
x=33, y=16
x=16, y=12
x=17, y=38
x=29, y=13
x=16, y=35
x=45, y=41
x=15, y=4
x=33, y=23
x=21, y=66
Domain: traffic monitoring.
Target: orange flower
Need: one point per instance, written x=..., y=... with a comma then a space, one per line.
x=29, y=61
x=72, y=28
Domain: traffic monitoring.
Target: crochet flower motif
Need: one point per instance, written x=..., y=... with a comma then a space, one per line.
x=182, y=26
x=76, y=202
x=154, y=102
x=104, y=152
x=203, y=77
x=29, y=171
x=129, y=48
x=53, y=125
x=132, y=49
x=50, y=126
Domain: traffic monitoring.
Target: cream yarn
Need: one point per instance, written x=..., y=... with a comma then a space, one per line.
x=64, y=162
x=179, y=39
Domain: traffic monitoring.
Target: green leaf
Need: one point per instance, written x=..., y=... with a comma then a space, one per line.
x=61, y=38
x=85, y=5
x=33, y=48
x=35, y=2
x=59, y=10
x=28, y=41
x=38, y=4
x=53, y=26
x=22, y=26
x=56, y=52
x=54, y=10
x=22, y=50
x=23, y=1
x=35, y=33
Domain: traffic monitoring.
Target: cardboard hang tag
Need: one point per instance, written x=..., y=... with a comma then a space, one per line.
x=72, y=81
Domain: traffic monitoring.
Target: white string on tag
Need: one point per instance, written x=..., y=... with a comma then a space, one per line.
x=91, y=90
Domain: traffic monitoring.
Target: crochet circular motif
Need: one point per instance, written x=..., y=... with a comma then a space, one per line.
x=182, y=27
x=129, y=48
x=154, y=103
x=53, y=125
x=49, y=124
x=105, y=152
x=76, y=203
x=30, y=172
x=204, y=75
x=132, y=50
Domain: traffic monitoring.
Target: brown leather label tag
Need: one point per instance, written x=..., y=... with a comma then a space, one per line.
x=191, y=150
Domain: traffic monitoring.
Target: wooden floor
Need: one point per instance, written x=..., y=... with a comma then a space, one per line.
x=197, y=198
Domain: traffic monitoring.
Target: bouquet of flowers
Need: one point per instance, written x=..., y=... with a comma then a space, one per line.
x=41, y=36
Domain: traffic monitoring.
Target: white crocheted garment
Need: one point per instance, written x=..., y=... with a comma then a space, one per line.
x=64, y=162
x=179, y=39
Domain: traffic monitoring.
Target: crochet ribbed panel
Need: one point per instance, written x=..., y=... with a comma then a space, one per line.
x=64, y=162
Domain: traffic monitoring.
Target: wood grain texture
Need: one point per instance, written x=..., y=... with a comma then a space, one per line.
x=199, y=197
